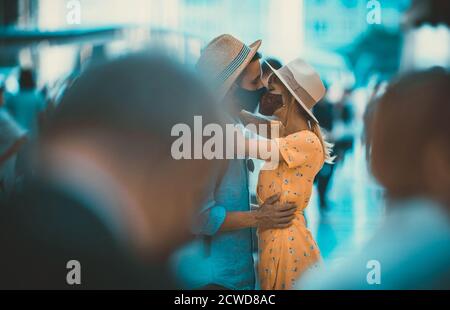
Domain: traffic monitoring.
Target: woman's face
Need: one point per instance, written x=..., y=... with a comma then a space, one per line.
x=275, y=87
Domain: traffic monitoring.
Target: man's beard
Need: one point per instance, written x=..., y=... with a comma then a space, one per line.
x=248, y=99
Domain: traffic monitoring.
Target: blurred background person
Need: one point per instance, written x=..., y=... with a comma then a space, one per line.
x=344, y=129
x=28, y=105
x=325, y=113
x=410, y=157
x=12, y=138
x=107, y=191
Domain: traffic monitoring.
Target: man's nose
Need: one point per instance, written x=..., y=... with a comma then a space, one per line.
x=265, y=81
x=261, y=83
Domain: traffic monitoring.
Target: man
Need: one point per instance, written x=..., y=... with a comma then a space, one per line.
x=108, y=203
x=222, y=255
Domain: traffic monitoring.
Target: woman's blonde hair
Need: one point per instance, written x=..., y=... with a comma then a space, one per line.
x=289, y=99
x=315, y=128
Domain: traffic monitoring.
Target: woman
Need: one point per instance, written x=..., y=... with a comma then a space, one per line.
x=285, y=254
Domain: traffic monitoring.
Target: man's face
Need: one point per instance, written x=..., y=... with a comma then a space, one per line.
x=251, y=77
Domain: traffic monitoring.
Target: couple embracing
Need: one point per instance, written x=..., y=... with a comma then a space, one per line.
x=221, y=257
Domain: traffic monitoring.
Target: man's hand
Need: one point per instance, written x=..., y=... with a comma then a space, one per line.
x=272, y=214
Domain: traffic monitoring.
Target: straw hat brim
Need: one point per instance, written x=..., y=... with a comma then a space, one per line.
x=285, y=83
x=226, y=86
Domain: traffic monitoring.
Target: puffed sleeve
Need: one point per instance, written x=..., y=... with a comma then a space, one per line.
x=297, y=148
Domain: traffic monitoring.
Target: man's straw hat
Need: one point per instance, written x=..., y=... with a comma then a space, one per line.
x=223, y=60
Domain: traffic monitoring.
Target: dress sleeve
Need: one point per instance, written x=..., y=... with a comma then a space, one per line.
x=297, y=148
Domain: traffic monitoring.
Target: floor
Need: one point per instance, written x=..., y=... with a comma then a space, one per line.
x=355, y=209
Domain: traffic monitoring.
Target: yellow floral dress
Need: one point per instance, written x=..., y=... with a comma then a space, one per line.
x=285, y=254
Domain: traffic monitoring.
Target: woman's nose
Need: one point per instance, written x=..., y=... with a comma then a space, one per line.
x=265, y=81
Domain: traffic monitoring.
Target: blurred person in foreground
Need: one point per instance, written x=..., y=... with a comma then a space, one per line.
x=410, y=157
x=12, y=139
x=221, y=257
x=107, y=191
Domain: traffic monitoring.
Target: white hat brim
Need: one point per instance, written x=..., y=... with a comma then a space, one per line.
x=285, y=83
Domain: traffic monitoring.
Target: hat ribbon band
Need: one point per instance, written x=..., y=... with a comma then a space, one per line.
x=231, y=68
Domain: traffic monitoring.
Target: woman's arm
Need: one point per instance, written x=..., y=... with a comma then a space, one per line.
x=258, y=148
x=250, y=118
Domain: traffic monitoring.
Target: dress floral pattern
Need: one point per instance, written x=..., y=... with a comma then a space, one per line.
x=285, y=254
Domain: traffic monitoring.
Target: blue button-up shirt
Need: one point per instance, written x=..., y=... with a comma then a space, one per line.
x=221, y=258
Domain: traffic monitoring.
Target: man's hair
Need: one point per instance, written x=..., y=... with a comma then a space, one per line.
x=275, y=63
x=257, y=56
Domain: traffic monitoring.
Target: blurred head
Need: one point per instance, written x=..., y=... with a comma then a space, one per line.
x=120, y=115
x=409, y=137
x=26, y=79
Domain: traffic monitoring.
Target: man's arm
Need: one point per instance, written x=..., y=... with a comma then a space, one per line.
x=271, y=214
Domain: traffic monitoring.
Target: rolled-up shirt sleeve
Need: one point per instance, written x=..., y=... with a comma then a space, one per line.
x=211, y=218
x=211, y=214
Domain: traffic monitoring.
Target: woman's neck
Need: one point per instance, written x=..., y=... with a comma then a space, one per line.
x=294, y=120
